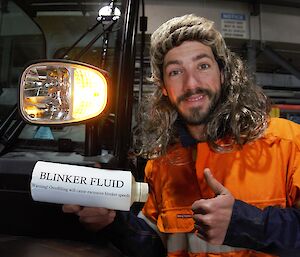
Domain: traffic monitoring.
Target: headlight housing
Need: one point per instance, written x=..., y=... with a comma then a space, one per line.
x=62, y=92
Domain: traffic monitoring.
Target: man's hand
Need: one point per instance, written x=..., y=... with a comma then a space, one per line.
x=212, y=216
x=93, y=218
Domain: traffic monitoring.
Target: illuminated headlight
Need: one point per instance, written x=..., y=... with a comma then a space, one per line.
x=55, y=92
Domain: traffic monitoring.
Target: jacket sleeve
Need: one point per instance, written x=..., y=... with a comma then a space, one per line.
x=134, y=237
x=274, y=230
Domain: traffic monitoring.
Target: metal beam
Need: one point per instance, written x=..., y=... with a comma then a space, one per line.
x=269, y=52
x=287, y=3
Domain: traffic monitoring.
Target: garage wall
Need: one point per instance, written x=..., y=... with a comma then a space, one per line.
x=276, y=23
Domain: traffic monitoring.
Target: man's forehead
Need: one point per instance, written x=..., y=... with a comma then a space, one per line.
x=195, y=50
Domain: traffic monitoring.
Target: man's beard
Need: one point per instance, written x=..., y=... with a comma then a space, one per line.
x=195, y=115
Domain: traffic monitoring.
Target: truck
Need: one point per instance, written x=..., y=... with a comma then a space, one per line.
x=54, y=38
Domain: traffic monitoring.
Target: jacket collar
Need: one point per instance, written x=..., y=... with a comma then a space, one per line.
x=185, y=137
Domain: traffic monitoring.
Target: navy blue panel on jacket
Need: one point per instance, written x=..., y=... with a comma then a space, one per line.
x=274, y=230
x=134, y=237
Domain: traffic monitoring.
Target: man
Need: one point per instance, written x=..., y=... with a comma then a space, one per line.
x=221, y=172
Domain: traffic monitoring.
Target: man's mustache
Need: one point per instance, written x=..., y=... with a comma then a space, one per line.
x=195, y=91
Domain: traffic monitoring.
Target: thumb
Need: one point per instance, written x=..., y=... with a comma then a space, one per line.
x=214, y=184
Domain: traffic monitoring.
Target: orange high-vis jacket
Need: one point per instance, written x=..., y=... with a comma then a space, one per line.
x=263, y=173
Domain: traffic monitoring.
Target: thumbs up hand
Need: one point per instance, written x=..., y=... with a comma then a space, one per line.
x=212, y=216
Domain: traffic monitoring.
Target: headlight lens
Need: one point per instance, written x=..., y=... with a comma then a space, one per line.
x=62, y=92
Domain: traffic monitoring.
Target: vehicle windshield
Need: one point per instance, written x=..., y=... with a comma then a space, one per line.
x=32, y=30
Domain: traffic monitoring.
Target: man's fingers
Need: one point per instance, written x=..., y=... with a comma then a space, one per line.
x=199, y=207
x=212, y=216
x=71, y=208
x=201, y=232
x=94, y=211
x=214, y=184
x=200, y=226
x=98, y=219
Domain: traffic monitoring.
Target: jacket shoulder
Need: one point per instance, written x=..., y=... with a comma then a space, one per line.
x=284, y=129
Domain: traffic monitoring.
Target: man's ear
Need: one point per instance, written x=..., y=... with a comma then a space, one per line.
x=164, y=90
x=222, y=77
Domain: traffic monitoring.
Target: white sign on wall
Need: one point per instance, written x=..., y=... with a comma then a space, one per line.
x=234, y=25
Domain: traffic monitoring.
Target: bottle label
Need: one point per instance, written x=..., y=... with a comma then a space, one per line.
x=85, y=186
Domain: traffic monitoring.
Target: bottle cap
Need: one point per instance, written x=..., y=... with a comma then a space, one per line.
x=143, y=190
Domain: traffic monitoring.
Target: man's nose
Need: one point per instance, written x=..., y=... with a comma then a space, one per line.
x=191, y=81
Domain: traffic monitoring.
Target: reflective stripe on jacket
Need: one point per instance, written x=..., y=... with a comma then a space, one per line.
x=264, y=173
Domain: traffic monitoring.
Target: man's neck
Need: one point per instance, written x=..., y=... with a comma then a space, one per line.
x=196, y=132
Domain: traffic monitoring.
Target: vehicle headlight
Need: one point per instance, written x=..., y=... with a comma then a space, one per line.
x=61, y=92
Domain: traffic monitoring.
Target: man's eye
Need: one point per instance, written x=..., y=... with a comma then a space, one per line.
x=174, y=72
x=203, y=66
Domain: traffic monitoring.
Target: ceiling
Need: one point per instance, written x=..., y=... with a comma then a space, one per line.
x=34, y=6
x=84, y=5
x=287, y=3
x=287, y=54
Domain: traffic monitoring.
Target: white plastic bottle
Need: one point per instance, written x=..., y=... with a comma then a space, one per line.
x=86, y=186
